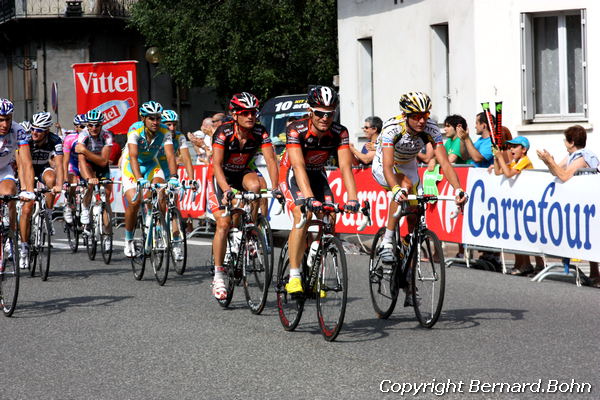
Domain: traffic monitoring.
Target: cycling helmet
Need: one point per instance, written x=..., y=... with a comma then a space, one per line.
x=243, y=101
x=6, y=107
x=94, y=116
x=322, y=96
x=41, y=120
x=79, y=119
x=169, y=116
x=151, y=108
x=26, y=125
x=415, y=102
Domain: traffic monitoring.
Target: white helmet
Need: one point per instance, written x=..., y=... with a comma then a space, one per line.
x=41, y=120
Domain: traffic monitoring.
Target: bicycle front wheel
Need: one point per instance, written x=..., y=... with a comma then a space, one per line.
x=332, y=289
x=258, y=274
x=178, y=241
x=44, y=247
x=106, y=236
x=72, y=236
x=159, y=254
x=9, y=273
x=265, y=228
x=383, y=295
x=91, y=239
x=138, y=261
x=290, y=306
x=428, y=279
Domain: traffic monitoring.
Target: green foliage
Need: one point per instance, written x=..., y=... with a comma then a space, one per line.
x=267, y=47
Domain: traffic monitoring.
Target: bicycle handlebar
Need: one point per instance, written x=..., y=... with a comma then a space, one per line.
x=251, y=196
x=422, y=198
x=338, y=208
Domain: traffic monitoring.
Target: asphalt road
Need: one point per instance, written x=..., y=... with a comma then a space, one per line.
x=93, y=332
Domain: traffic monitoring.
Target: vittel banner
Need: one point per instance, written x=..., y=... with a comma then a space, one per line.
x=110, y=87
x=534, y=212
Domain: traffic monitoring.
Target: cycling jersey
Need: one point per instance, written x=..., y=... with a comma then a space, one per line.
x=147, y=151
x=9, y=143
x=95, y=144
x=69, y=150
x=42, y=153
x=179, y=142
x=316, y=150
x=406, y=147
x=237, y=158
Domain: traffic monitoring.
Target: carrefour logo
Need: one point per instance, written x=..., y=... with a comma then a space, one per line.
x=549, y=219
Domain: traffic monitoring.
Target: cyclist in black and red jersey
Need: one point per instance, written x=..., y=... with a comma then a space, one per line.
x=310, y=143
x=234, y=145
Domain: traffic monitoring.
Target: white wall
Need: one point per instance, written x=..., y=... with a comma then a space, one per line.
x=484, y=60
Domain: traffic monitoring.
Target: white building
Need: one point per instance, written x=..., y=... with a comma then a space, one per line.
x=538, y=56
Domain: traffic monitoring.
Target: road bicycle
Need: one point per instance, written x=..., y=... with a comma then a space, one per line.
x=151, y=236
x=419, y=268
x=100, y=228
x=74, y=228
x=264, y=226
x=324, y=274
x=246, y=259
x=9, y=259
x=40, y=234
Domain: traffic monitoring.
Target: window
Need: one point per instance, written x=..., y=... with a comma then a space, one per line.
x=365, y=78
x=554, y=66
x=440, y=81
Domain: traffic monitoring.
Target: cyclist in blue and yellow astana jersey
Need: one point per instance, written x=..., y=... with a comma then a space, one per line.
x=170, y=119
x=140, y=165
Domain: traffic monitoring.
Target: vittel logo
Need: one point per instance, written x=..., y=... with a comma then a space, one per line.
x=105, y=83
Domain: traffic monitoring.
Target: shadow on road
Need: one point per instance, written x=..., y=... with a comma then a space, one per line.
x=375, y=328
x=37, y=309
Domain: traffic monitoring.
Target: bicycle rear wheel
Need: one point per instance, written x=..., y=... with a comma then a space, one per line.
x=138, y=262
x=44, y=247
x=72, y=236
x=290, y=307
x=428, y=279
x=91, y=238
x=229, y=264
x=383, y=294
x=159, y=254
x=106, y=239
x=178, y=241
x=257, y=270
x=9, y=273
x=332, y=289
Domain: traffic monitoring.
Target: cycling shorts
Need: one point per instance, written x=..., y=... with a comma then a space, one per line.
x=40, y=170
x=318, y=184
x=214, y=191
x=8, y=172
x=409, y=170
x=150, y=171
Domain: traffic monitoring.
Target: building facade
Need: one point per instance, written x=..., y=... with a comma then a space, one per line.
x=41, y=39
x=537, y=56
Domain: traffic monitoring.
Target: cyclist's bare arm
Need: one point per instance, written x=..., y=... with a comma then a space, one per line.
x=84, y=167
x=170, y=153
x=133, y=160
x=187, y=162
x=345, y=158
x=272, y=167
x=60, y=172
x=218, y=157
x=25, y=166
x=297, y=160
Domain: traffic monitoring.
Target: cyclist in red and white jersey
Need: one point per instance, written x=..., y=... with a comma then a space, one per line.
x=309, y=144
x=234, y=145
x=395, y=166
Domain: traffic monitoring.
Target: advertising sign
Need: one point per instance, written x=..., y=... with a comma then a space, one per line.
x=111, y=88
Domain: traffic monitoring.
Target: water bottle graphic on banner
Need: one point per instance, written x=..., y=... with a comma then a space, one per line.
x=114, y=111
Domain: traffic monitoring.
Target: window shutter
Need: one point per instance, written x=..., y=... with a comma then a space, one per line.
x=584, y=60
x=527, y=68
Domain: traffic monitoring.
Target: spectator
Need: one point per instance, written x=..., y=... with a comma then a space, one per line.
x=452, y=145
x=202, y=141
x=372, y=129
x=479, y=153
x=518, y=148
x=217, y=120
x=578, y=157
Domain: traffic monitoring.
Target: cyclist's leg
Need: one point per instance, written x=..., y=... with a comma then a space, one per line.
x=49, y=179
x=129, y=185
x=8, y=186
x=104, y=173
x=215, y=197
x=251, y=183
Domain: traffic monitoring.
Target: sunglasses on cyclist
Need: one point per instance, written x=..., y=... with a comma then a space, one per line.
x=81, y=126
x=38, y=130
x=247, y=113
x=323, y=114
x=151, y=118
x=94, y=125
x=418, y=116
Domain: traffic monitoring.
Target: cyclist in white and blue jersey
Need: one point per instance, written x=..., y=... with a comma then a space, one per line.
x=170, y=119
x=140, y=165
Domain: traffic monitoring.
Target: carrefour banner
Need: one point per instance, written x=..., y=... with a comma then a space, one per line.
x=534, y=212
x=110, y=87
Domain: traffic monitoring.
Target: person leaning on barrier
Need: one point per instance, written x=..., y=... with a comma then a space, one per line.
x=372, y=129
x=578, y=157
x=479, y=153
x=452, y=143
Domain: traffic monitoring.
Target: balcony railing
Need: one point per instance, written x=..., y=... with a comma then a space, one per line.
x=10, y=9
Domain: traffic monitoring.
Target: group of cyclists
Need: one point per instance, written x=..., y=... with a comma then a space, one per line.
x=30, y=152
